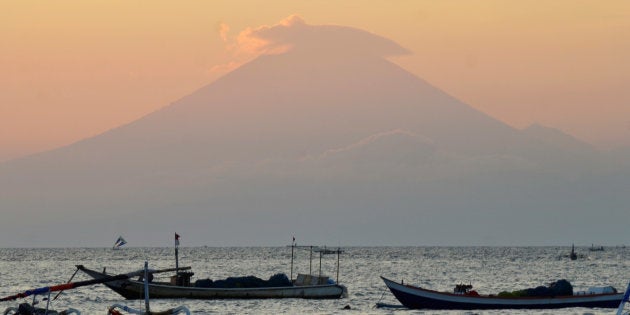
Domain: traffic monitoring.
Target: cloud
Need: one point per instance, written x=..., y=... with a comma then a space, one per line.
x=265, y=40
x=293, y=34
x=223, y=31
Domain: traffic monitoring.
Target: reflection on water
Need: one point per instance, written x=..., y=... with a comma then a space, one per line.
x=489, y=269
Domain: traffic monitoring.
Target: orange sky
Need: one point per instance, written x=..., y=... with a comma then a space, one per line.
x=73, y=69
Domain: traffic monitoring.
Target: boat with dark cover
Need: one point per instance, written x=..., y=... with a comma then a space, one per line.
x=180, y=287
x=419, y=298
x=249, y=287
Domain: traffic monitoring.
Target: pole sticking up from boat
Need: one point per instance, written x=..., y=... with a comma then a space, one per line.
x=176, y=253
x=325, y=251
x=320, y=261
x=338, y=254
x=292, y=249
x=322, y=250
x=146, y=287
x=147, y=306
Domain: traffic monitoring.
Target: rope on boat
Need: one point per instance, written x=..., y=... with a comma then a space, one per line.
x=379, y=300
x=59, y=293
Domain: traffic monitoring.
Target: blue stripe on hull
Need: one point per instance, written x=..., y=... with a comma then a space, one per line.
x=419, y=302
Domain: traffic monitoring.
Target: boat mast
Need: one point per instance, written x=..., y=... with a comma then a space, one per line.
x=292, y=249
x=338, y=254
x=146, y=287
x=320, y=261
x=176, y=253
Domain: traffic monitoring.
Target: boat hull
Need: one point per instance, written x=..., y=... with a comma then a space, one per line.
x=418, y=298
x=131, y=289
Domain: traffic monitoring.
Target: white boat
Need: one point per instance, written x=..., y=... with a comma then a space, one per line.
x=279, y=286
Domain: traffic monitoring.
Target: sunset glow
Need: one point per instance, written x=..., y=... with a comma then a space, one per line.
x=73, y=69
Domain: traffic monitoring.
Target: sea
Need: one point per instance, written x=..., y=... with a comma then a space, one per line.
x=489, y=269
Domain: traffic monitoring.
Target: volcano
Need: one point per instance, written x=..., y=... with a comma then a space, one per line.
x=326, y=138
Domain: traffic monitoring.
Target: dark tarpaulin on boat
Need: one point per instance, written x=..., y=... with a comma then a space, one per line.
x=277, y=280
x=559, y=288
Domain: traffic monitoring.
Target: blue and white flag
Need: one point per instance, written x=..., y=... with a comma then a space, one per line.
x=120, y=242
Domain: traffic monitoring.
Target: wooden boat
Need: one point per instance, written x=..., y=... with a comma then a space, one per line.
x=419, y=298
x=305, y=286
x=133, y=289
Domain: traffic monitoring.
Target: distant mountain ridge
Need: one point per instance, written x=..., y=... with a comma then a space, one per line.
x=273, y=137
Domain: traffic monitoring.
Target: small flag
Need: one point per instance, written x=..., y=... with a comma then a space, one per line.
x=293, y=239
x=176, y=239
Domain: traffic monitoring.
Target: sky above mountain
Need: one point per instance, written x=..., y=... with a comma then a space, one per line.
x=74, y=69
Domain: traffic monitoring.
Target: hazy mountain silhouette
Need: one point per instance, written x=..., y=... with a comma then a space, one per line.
x=328, y=140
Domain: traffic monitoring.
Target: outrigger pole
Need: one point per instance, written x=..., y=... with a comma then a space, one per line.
x=73, y=285
x=67, y=286
x=624, y=300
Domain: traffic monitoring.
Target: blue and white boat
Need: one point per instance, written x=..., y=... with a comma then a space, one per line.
x=419, y=298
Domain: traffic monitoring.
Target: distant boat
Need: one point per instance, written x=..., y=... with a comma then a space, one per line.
x=119, y=242
x=596, y=249
x=573, y=255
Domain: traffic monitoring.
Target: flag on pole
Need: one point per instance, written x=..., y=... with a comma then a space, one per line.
x=176, y=239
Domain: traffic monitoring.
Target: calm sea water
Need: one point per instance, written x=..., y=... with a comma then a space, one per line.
x=489, y=269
